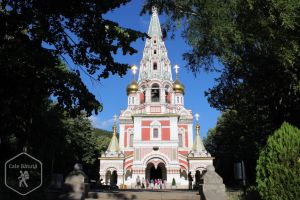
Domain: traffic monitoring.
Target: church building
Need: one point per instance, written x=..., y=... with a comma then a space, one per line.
x=155, y=130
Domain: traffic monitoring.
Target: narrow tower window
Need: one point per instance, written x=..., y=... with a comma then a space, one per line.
x=155, y=133
x=154, y=51
x=155, y=66
x=154, y=41
x=131, y=140
x=180, y=140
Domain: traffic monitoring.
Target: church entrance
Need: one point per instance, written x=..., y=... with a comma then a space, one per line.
x=156, y=172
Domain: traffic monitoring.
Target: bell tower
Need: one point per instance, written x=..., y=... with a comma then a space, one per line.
x=155, y=63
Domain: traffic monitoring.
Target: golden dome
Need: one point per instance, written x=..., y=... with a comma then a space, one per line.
x=178, y=87
x=133, y=87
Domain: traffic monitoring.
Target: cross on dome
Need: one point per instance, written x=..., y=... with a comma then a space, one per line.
x=134, y=69
x=176, y=67
x=115, y=118
x=197, y=117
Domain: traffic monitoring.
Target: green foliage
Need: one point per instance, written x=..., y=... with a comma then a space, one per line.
x=103, y=138
x=35, y=37
x=278, y=166
x=229, y=141
x=258, y=44
x=173, y=182
x=75, y=28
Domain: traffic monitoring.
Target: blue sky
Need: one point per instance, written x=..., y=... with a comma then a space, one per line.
x=111, y=92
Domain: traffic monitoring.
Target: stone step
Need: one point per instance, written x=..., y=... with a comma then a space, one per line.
x=145, y=195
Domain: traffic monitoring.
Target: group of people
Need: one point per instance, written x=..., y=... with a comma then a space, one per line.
x=152, y=184
x=159, y=183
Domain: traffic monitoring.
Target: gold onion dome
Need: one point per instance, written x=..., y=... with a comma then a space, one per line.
x=178, y=87
x=132, y=88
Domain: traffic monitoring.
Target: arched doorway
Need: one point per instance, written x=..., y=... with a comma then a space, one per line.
x=111, y=177
x=107, y=177
x=114, y=178
x=198, y=177
x=156, y=172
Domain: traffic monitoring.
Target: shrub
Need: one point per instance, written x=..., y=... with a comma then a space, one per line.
x=278, y=166
x=173, y=182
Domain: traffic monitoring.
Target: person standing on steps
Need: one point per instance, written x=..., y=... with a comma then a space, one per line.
x=190, y=181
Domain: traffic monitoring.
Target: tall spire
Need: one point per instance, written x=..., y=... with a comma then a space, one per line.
x=198, y=146
x=114, y=143
x=154, y=27
x=155, y=63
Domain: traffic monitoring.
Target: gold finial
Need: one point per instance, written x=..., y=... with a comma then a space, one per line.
x=176, y=67
x=115, y=125
x=197, y=124
x=134, y=69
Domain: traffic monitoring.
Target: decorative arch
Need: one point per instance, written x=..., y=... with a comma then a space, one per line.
x=156, y=171
x=127, y=113
x=166, y=82
x=156, y=155
x=111, y=169
x=201, y=169
x=111, y=176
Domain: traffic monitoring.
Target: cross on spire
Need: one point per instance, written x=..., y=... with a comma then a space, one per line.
x=154, y=10
x=176, y=67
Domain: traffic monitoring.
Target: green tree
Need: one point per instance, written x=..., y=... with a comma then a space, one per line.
x=258, y=44
x=230, y=142
x=103, y=138
x=35, y=37
x=278, y=166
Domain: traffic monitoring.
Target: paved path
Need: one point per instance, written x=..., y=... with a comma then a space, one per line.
x=145, y=195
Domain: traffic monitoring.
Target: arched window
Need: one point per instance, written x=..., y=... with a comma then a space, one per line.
x=155, y=133
x=155, y=130
x=155, y=93
x=180, y=140
x=155, y=66
x=154, y=51
x=167, y=94
x=131, y=140
x=154, y=41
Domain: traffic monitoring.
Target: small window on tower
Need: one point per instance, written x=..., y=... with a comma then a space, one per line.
x=131, y=140
x=180, y=140
x=154, y=41
x=154, y=51
x=155, y=133
x=154, y=66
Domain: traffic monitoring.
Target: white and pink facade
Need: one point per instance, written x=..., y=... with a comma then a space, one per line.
x=156, y=130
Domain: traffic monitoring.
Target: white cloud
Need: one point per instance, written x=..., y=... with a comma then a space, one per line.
x=102, y=124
